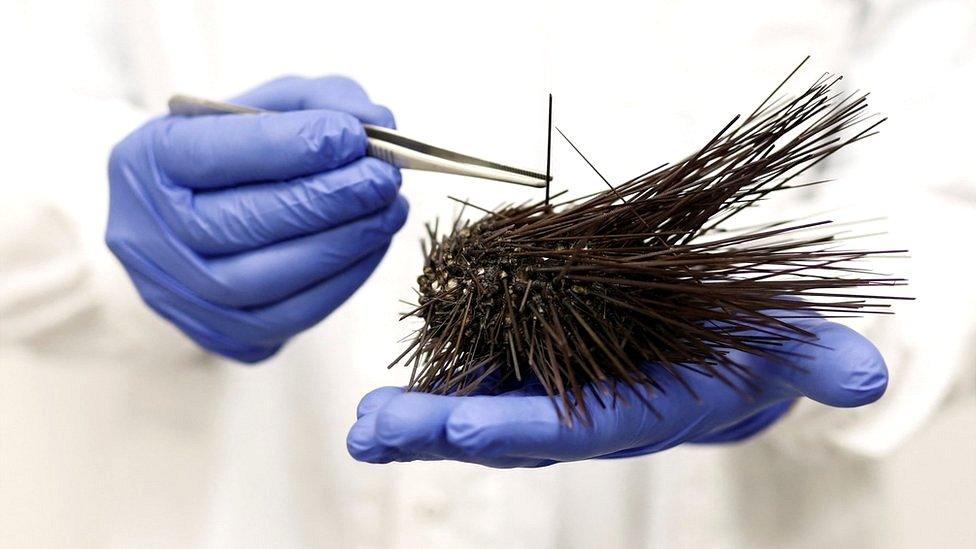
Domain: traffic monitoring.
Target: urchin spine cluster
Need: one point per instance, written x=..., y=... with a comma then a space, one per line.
x=592, y=290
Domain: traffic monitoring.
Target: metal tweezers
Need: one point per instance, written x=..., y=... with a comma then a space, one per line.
x=388, y=145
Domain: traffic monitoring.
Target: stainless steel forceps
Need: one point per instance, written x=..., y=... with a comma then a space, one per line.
x=388, y=145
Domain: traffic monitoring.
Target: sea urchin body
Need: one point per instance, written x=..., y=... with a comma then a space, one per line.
x=592, y=290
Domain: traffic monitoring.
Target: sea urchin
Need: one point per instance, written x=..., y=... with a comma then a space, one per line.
x=591, y=290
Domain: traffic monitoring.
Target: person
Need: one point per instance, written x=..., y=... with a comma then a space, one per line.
x=275, y=240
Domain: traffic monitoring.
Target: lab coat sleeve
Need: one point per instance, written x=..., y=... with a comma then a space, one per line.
x=59, y=279
x=47, y=280
x=54, y=191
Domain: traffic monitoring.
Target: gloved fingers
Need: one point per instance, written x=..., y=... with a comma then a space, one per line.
x=411, y=427
x=506, y=431
x=306, y=308
x=362, y=445
x=292, y=93
x=502, y=431
x=376, y=399
x=206, y=152
x=253, y=334
x=480, y=429
x=529, y=427
x=362, y=442
x=223, y=331
x=270, y=274
x=838, y=368
x=243, y=218
x=413, y=423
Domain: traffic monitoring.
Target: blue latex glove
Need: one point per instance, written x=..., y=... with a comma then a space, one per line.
x=521, y=428
x=244, y=230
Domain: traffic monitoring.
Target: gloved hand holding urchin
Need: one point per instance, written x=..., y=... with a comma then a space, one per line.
x=521, y=428
x=635, y=319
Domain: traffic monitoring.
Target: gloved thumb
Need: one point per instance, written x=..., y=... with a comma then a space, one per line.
x=839, y=368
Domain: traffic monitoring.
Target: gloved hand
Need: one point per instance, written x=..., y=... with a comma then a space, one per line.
x=244, y=230
x=521, y=428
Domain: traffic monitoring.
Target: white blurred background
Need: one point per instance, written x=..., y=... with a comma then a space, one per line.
x=117, y=432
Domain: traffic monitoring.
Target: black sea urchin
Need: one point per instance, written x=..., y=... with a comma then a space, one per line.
x=590, y=290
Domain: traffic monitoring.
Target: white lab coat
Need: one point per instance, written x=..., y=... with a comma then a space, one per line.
x=116, y=431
